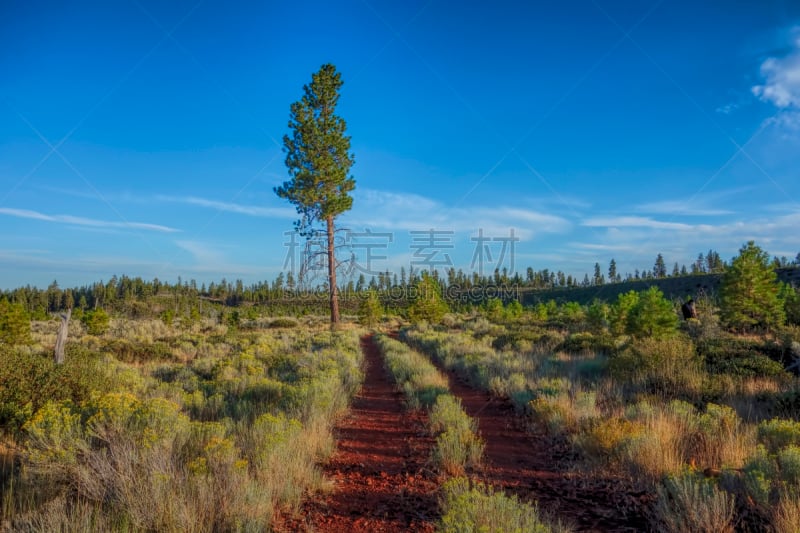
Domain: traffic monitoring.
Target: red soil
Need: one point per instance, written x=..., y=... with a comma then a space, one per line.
x=380, y=473
x=533, y=466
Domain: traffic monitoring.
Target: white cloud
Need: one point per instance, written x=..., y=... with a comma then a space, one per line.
x=393, y=200
x=250, y=210
x=706, y=204
x=635, y=241
x=375, y=209
x=552, y=223
x=781, y=75
x=787, y=120
x=727, y=109
x=202, y=252
x=81, y=221
x=598, y=247
x=680, y=207
x=634, y=222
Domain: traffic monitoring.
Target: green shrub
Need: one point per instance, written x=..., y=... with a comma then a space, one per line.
x=457, y=444
x=761, y=473
x=687, y=504
x=604, y=440
x=28, y=381
x=550, y=414
x=587, y=342
x=413, y=373
x=55, y=434
x=137, y=460
x=468, y=508
x=96, y=321
x=283, y=323
x=457, y=449
x=167, y=317
x=447, y=413
x=789, y=464
x=572, y=312
x=668, y=365
x=741, y=357
x=132, y=351
x=15, y=324
x=777, y=433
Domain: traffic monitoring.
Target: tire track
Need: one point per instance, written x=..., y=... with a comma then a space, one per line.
x=533, y=466
x=380, y=472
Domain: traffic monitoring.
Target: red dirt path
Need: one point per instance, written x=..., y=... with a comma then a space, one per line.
x=532, y=466
x=381, y=478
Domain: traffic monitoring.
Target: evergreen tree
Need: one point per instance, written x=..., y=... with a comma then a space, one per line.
x=791, y=303
x=652, y=316
x=597, y=316
x=660, y=268
x=612, y=271
x=598, y=275
x=714, y=262
x=318, y=160
x=426, y=300
x=619, y=312
x=494, y=309
x=370, y=309
x=699, y=266
x=750, y=292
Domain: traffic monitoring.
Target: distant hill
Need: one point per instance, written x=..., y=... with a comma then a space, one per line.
x=678, y=287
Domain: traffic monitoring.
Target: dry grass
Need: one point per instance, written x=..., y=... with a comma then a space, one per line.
x=674, y=436
x=633, y=413
x=136, y=461
x=786, y=514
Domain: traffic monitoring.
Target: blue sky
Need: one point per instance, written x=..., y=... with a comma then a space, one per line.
x=144, y=138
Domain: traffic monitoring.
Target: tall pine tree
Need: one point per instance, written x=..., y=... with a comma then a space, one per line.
x=318, y=160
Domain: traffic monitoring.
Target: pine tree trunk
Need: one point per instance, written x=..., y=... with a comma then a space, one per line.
x=332, y=288
x=61, y=339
